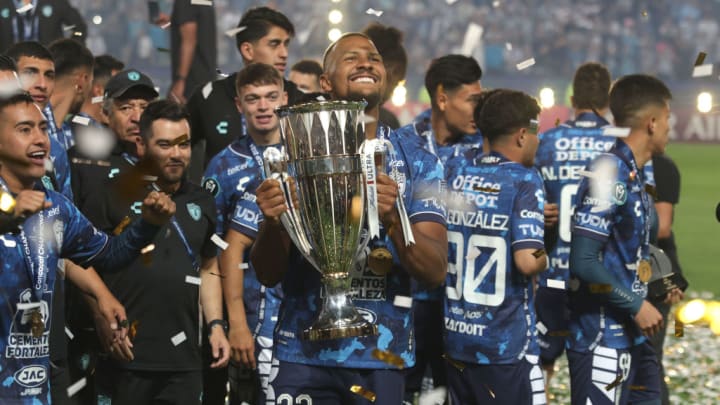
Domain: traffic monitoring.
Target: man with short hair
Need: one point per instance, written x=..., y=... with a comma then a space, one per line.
x=447, y=130
x=232, y=177
x=214, y=118
x=105, y=67
x=489, y=307
x=306, y=75
x=610, y=318
x=23, y=148
x=323, y=371
x=164, y=290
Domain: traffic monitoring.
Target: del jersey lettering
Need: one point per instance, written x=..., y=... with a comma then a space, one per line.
x=419, y=176
x=495, y=207
x=57, y=232
x=563, y=153
x=613, y=208
x=232, y=177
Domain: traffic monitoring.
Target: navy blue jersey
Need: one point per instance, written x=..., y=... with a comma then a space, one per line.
x=232, y=177
x=495, y=206
x=563, y=152
x=420, y=131
x=612, y=207
x=63, y=134
x=57, y=232
x=419, y=175
x=61, y=168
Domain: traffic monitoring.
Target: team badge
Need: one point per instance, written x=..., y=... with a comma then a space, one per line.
x=134, y=76
x=47, y=11
x=5, y=13
x=47, y=183
x=194, y=211
x=212, y=186
x=619, y=193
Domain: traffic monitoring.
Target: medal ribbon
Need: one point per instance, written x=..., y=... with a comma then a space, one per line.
x=367, y=156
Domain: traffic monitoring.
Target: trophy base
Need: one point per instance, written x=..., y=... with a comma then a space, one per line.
x=325, y=333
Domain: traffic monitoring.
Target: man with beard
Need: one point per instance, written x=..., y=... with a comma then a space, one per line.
x=324, y=371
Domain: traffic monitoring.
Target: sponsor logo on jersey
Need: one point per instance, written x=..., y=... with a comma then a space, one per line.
x=31, y=376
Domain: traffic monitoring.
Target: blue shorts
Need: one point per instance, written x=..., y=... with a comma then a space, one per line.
x=635, y=372
x=518, y=383
x=551, y=307
x=313, y=385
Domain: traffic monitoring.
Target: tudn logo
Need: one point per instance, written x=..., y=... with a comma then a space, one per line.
x=31, y=376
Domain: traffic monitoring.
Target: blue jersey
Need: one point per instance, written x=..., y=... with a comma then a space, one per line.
x=563, y=152
x=232, y=177
x=61, y=168
x=612, y=207
x=63, y=134
x=57, y=232
x=419, y=175
x=495, y=206
x=421, y=131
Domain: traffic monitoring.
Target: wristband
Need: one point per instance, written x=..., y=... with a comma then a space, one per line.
x=216, y=322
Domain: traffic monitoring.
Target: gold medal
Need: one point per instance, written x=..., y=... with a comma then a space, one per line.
x=644, y=271
x=37, y=326
x=380, y=261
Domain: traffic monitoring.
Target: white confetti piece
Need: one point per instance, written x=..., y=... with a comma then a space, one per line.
x=451, y=2
x=69, y=333
x=366, y=119
x=207, y=89
x=24, y=306
x=588, y=174
x=219, y=242
x=69, y=28
x=618, y=132
x=372, y=11
x=244, y=266
x=702, y=70
x=201, y=2
x=192, y=280
x=559, y=284
x=147, y=249
x=77, y=386
x=97, y=100
x=433, y=397
x=402, y=301
x=179, y=338
x=525, y=64
x=320, y=98
x=79, y=119
x=508, y=46
x=541, y=327
x=166, y=25
x=496, y=3
x=473, y=254
x=231, y=33
x=472, y=38
x=24, y=9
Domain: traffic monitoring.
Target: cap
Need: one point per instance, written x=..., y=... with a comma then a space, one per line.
x=127, y=79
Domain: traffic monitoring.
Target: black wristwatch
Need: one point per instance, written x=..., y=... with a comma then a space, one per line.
x=216, y=322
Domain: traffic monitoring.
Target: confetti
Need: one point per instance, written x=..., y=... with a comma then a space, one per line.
x=559, y=333
x=24, y=9
x=557, y=121
x=644, y=13
x=473, y=253
x=600, y=288
x=121, y=226
x=702, y=70
x=700, y=59
x=147, y=249
x=435, y=396
x=486, y=189
x=451, y=2
x=149, y=178
x=525, y=64
x=618, y=381
x=69, y=333
x=402, y=301
x=221, y=74
x=541, y=327
x=559, y=284
x=166, y=25
x=320, y=98
x=458, y=365
x=133, y=330
x=201, y=2
x=508, y=46
x=79, y=119
x=638, y=388
x=679, y=328
x=77, y=386
x=539, y=253
x=244, y=266
x=372, y=11
x=359, y=390
x=618, y=132
x=496, y=3
x=233, y=32
x=77, y=34
x=192, y=280
x=179, y=338
x=180, y=139
x=97, y=100
x=366, y=119
x=69, y=28
x=492, y=394
x=389, y=358
x=219, y=242
x=472, y=38
x=207, y=89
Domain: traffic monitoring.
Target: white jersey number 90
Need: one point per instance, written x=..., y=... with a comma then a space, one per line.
x=468, y=281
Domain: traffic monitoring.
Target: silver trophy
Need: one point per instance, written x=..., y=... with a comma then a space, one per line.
x=322, y=142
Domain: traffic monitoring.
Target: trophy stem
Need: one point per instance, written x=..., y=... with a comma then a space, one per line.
x=338, y=317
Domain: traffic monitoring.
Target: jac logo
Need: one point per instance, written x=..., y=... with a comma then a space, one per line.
x=31, y=376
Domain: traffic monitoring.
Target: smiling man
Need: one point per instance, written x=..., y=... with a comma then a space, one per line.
x=325, y=370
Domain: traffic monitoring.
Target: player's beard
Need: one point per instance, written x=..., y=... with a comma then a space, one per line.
x=373, y=99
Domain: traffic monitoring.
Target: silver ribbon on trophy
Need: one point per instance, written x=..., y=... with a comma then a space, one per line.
x=322, y=142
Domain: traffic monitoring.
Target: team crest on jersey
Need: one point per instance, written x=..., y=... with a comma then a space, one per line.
x=47, y=183
x=194, y=211
x=619, y=193
x=368, y=315
x=5, y=13
x=212, y=186
x=47, y=10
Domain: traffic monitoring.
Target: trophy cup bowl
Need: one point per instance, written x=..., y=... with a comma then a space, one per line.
x=322, y=142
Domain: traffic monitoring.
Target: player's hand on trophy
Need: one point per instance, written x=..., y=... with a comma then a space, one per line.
x=387, y=191
x=158, y=208
x=649, y=319
x=271, y=200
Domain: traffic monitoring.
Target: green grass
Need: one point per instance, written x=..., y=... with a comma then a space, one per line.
x=697, y=232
